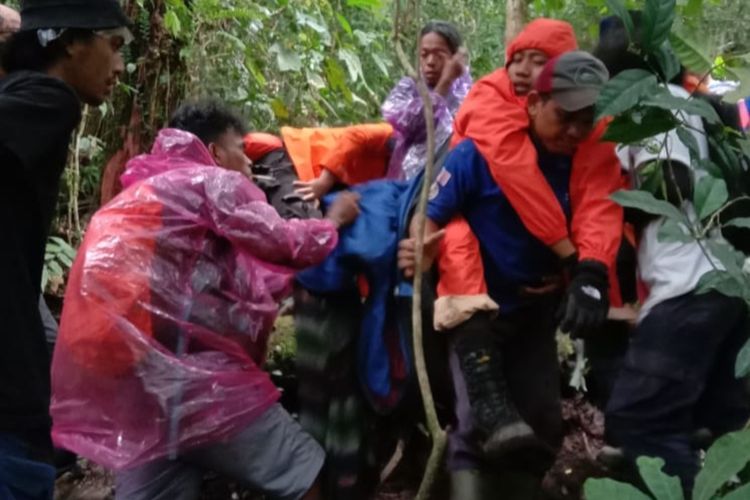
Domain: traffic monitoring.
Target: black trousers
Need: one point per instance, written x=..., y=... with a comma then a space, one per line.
x=678, y=376
x=526, y=338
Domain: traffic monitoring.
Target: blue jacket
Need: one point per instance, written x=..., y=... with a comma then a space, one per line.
x=368, y=247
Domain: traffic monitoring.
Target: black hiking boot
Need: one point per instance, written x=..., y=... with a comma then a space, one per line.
x=495, y=416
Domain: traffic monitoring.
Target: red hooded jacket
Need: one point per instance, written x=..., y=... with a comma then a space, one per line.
x=497, y=121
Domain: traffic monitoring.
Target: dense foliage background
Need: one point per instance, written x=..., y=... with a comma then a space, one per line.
x=305, y=63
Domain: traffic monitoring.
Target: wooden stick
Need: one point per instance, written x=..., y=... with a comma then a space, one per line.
x=438, y=435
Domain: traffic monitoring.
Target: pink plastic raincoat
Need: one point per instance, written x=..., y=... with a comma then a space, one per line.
x=169, y=306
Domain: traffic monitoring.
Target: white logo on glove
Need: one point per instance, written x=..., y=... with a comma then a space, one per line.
x=592, y=292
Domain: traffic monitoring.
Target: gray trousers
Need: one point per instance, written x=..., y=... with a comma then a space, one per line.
x=272, y=455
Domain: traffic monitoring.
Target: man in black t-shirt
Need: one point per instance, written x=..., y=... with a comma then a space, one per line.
x=65, y=54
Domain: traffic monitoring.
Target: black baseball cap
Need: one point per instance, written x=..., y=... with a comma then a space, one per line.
x=83, y=14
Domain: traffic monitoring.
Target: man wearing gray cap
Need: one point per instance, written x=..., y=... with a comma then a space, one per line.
x=510, y=359
x=66, y=53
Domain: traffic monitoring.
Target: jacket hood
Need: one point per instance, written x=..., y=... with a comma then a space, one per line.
x=172, y=149
x=551, y=36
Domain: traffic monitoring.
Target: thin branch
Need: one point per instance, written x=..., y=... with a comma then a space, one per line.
x=438, y=435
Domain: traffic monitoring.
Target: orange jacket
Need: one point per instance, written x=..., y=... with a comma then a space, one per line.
x=353, y=154
x=596, y=225
x=259, y=144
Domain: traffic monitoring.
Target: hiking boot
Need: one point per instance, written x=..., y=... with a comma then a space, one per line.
x=469, y=485
x=495, y=416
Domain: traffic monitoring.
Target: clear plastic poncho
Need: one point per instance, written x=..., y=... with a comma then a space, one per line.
x=169, y=306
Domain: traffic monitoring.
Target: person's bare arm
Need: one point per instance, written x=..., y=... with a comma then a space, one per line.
x=407, y=248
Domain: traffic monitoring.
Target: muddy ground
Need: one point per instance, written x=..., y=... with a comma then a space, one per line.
x=576, y=462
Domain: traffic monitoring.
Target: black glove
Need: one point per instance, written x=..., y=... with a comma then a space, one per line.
x=586, y=302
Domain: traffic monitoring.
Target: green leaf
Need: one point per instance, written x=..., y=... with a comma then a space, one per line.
x=743, y=222
x=365, y=4
x=690, y=55
x=55, y=269
x=672, y=231
x=662, y=98
x=316, y=25
x=67, y=261
x=279, y=109
x=617, y=8
x=710, y=195
x=662, y=486
x=353, y=64
x=689, y=140
x=693, y=8
x=658, y=16
x=730, y=258
x=337, y=78
x=722, y=282
x=624, y=91
x=652, y=121
x=651, y=177
x=258, y=75
x=608, y=489
x=741, y=493
x=667, y=59
x=646, y=202
x=286, y=59
x=728, y=456
x=344, y=23
x=742, y=364
x=709, y=167
x=380, y=63
x=172, y=23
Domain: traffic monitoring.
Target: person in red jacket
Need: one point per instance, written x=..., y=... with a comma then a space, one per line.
x=494, y=117
x=169, y=308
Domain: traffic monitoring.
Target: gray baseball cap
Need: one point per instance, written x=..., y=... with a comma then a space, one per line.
x=574, y=80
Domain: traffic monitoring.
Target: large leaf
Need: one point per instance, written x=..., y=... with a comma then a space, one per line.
x=692, y=8
x=638, y=126
x=286, y=59
x=668, y=61
x=672, y=231
x=624, y=91
x=730, y=258
x=727, y=457
x=172, y=23
x=690, y=55
x=617, y=8
x=344, y=23
x=353, y=64
x=662, y=98
x=662, y=486
x=743, y=222
x=687, y=138
x=608, y=489
x=741, y=493
x=710, y=195
x=646, y=202
x=742, y=363
x=658, y=16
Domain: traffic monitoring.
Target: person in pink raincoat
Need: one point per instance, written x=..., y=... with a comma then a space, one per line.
x=157, y=371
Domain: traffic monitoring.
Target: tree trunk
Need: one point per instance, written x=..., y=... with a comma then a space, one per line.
x=515, y=18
